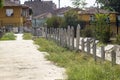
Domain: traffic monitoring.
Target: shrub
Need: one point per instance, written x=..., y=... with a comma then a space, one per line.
x=72, y=19
x=8, y=36
x=102, y=28
x=55, y=22
x=27, y=36
x=118, y=39
x=87, y=32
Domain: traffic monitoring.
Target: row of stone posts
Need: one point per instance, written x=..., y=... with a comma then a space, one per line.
x=65, y=38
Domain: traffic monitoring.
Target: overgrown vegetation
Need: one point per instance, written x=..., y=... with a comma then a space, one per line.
x=1, y=3
x=79, y=66
x=87, y=32
x=101, y=28
x=8, y=36
x=70, y=18
x=55, y=22
x=27, y=36
x=118, y=39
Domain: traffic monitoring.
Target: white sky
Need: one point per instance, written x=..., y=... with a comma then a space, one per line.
x=66, y=2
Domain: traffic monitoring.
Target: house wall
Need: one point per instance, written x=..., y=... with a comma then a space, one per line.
x=15, y=20
x=86, y=18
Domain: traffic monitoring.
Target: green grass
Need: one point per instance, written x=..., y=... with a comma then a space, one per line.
x=27, y=36
x=79, y=66
x=8, y=36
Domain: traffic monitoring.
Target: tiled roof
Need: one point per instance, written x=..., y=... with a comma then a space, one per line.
x=95, y=10
x=9, y=3
x=61, y=10
x=44, y=15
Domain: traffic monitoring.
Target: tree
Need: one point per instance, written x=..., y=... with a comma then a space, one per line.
x=110, y=4
x=79, y=3
x=72, y=19
x=102, y=28
x=1, y=3
x=55, y=22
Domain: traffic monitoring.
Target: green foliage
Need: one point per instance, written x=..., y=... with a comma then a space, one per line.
x=87, y=32
x=71, y=18
x=110, y=4
x=8, y=36
x=79, y=3
x=118, y=39
x=1, y=3
x=27, y=36
x=78, y=66
x=102, y=28
x=55, y=22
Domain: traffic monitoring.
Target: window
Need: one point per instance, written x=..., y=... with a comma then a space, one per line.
x=9, y=12
x=92, y=17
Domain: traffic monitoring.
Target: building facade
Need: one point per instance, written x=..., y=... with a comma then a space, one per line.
x=13, y=16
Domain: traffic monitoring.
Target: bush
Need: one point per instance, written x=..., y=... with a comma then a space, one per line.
x=87, y=32
x=8, y=36
x=101, y=28
x=55, y=22
x=72, y=19
x=27, y=36
x=118, y=39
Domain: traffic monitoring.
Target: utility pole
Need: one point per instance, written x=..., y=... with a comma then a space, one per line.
x=59, y=3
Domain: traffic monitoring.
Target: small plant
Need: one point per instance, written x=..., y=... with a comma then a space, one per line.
x=87, y=32
x=118, y=39
x=27, y=36
x=102, y=28
x=8, y=36
x=55, y=22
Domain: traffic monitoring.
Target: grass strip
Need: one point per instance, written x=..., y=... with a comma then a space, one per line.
x=8, y=36
x=79, y=66
x=27, y=36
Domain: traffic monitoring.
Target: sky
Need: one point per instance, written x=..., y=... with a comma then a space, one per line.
x=65, y=3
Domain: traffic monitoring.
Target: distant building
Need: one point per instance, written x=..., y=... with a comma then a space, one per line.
x=13, y=16
x=39, y=7
x=88, y=15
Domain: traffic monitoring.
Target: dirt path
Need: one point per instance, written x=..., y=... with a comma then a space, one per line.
x=20, y=60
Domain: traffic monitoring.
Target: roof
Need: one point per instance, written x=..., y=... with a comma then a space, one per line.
x=95, y=10
x=61, y=10
x=8, y=3
x=44, y=15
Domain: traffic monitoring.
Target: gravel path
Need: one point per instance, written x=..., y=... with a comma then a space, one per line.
x=20, y=60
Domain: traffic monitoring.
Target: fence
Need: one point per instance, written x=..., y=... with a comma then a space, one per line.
x=65, y=38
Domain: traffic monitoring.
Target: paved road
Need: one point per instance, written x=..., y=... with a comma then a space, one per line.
x=20, y=60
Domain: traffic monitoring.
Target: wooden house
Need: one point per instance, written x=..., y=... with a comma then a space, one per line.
x=13, y=16
x=88, y=14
